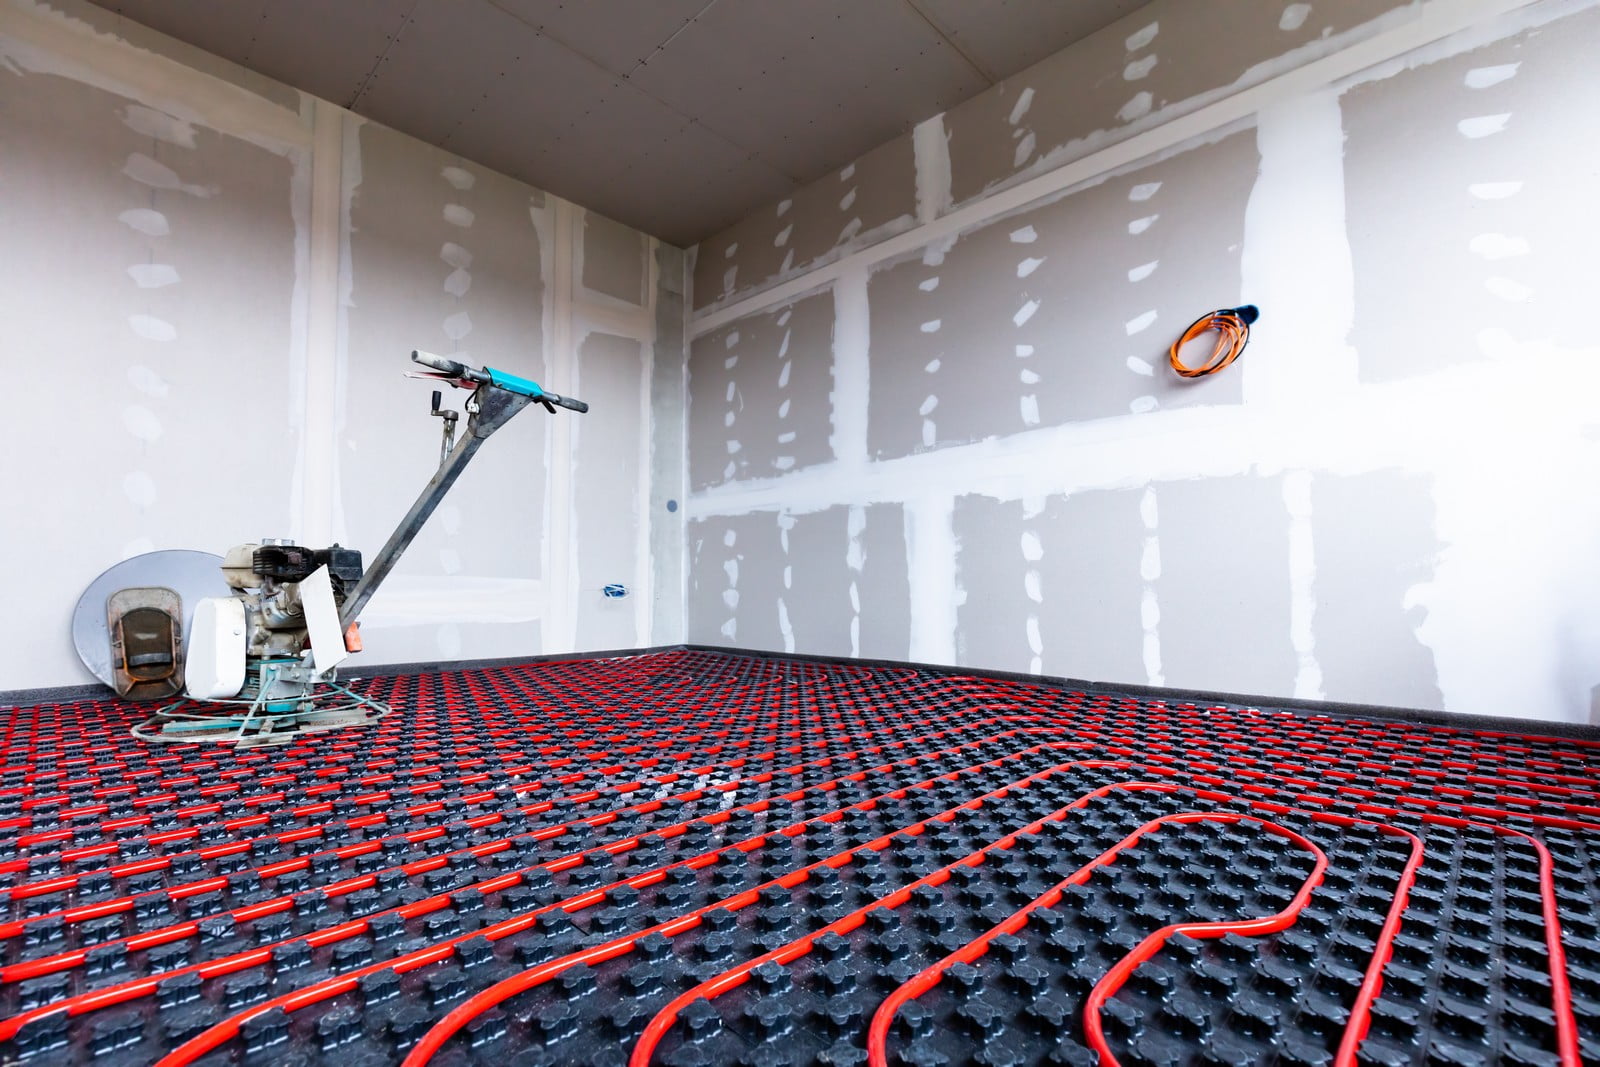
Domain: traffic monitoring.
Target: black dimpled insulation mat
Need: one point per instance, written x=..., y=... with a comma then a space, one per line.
x=701, y=858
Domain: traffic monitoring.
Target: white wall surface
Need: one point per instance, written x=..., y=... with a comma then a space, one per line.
x=210, y=289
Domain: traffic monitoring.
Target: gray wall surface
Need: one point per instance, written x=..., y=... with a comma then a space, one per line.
x=419, y=278
x=212, y=285
x=1385, y=501
x=1141, y=71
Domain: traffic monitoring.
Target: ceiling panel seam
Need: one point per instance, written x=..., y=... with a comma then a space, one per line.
x=251, y=44
x=547, y=35
x=983, y=71
x=377, y=64
x=670, y=38
x=688, y=120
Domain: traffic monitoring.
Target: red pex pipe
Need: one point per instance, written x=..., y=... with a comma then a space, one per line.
x=435, y=1038
x=1360, y=1016
x=239, y=845
x=1388, y=770
x=229, y=1028
x=1123, y=968
x=146, y=985
x=149, y=939
x=1560, y=984
x=731, y=979
x=878, y=1032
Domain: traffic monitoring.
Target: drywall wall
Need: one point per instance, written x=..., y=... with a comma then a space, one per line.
x=1385, y=501
x=213, y=288
x=1158, y=63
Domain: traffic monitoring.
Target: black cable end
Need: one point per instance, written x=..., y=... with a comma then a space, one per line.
x=1248, y=314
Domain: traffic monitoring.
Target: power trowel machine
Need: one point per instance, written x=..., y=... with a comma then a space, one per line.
x=257, y=665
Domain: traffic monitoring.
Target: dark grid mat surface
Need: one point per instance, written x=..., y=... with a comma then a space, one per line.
x=705, y=858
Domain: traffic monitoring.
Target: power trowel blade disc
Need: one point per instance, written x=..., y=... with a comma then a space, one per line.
x=192, y=575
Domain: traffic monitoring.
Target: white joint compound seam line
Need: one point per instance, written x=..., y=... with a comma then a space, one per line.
x=319, y=439
x=1433, y=21
x=561, y=619
x=39, y=38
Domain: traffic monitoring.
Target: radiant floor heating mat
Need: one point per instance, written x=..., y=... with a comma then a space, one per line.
x=699, y=858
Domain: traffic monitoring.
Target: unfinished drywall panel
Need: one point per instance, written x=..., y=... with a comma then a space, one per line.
x=149, y=278
x=606, y=472
x=1052, y=585
x=877, y=554
x=992, y=603
x=1202, y=529
x=815, y=614
x=669, y=488
x=614, y=259
x=146, y=35
x=1143, y=69
x=736, y=581
x=1135, y=74
x=758, y=394
x=443, y=256
x=263, y=288
x=1061, y=312
x=870, y=199
x=1489, y=158
x=1375, y=544
x=845, y=587
x=1219, y=600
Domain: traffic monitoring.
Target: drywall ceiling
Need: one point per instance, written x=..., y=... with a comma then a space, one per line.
x=677, y=117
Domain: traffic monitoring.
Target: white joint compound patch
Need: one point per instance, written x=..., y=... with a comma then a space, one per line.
x=145, y=220
x=1139, y=69
x=459, y=177
x=1488, y=77
x=153, y=329
x=1136, y=108
x=1483, y=125
x=153, y=275
x=158, y=124
x=1020, y=108
x=1294, y=16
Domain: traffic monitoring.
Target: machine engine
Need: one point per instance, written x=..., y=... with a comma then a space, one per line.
x=267, y=578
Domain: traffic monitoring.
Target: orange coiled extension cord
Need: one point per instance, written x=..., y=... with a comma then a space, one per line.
x=1233, y=333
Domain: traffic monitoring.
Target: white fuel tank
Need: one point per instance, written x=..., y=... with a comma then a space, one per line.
x=214, y=667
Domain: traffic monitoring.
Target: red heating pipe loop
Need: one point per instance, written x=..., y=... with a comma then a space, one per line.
x=433, y=784
x=415, y=836
x=1555, y=821
x=439, y=783
x=464, y=1013
x=117, y=994
x=27, y=889
x=657, y=1028
x=247, y=771
x=883, y=1018
x=229, y=1028
x=1560, y=984
x=1123, y=968
x=1355, y=1030
x=149, y=939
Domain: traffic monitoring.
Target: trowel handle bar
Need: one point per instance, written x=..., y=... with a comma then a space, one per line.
x=564, y=401
x=499, y=379
x=448, y=366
